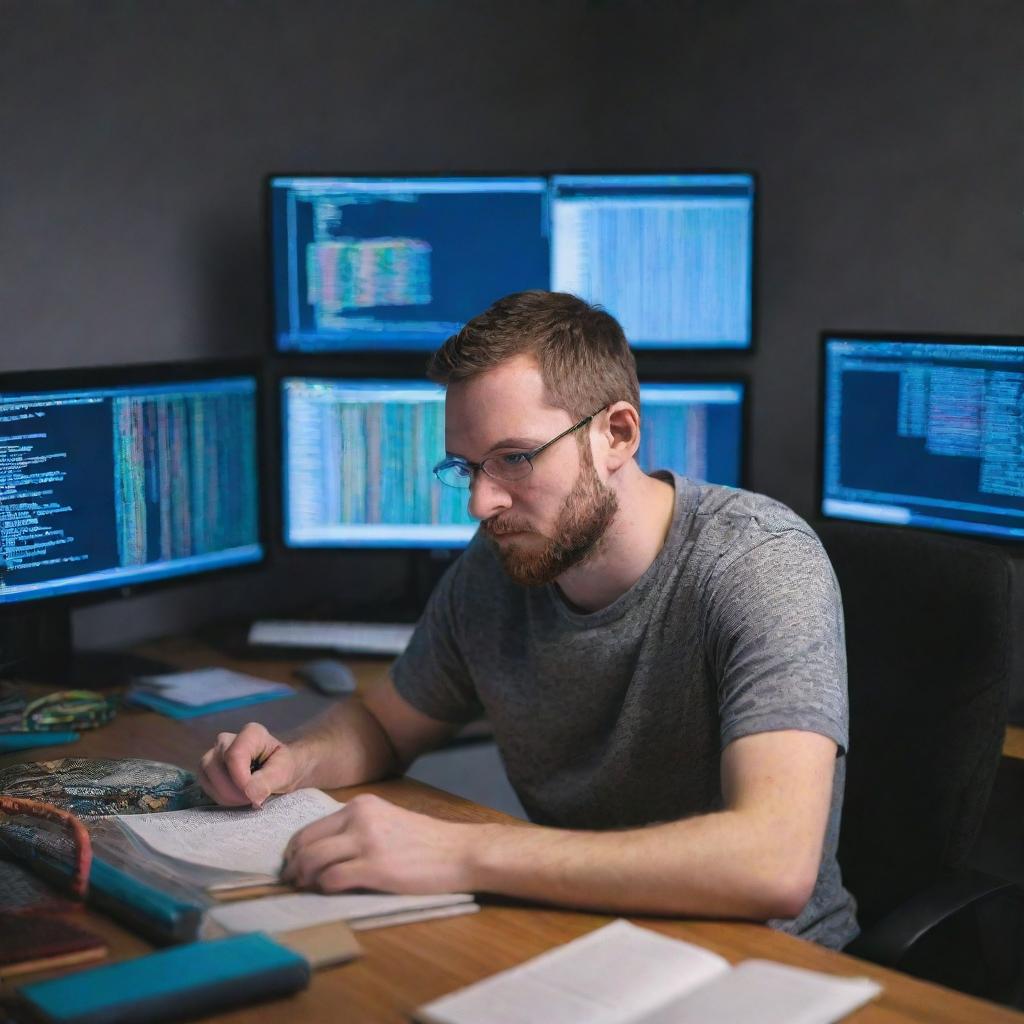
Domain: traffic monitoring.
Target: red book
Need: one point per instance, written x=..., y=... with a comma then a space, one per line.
x=37, y=942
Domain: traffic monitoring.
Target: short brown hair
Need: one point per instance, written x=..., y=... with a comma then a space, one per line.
x=584, y=358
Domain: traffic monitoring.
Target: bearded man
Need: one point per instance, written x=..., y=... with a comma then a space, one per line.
x=662, y=662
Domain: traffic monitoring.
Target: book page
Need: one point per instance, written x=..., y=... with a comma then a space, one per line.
x=610, y=976
x=233, y=838
x=762, y=992
x=304, y=909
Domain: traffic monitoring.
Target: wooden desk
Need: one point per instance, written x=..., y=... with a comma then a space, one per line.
x=407, y=965
x=1013, y=745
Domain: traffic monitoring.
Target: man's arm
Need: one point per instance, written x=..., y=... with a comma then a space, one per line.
x=758, y=858
x=362, y=739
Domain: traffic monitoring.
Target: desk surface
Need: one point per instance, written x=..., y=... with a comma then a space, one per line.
x=1013, y=745
x=406, y=965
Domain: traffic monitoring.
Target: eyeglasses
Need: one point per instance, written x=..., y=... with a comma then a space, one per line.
x=458, y=472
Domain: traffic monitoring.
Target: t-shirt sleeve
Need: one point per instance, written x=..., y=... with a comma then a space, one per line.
x=431, y=674
x=775, y=634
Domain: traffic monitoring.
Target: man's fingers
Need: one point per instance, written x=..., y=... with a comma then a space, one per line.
x=253, y=744
x=217, y=783
x=316, y=830
x=303, y=868
x=351, y=874
x=276, y=775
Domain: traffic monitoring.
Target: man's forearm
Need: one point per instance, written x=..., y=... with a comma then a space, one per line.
x=720, y=865
x=346, y=746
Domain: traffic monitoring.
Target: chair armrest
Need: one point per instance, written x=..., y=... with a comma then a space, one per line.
x=887, y=941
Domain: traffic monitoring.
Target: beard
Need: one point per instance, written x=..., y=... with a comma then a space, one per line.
x=586, y=514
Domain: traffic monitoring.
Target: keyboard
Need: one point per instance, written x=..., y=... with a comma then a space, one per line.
x=344, y=637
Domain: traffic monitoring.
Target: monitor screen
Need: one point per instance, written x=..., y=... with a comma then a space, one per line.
x=358, y=458
x=115, y=485
x=390, y=263
x=669, y=256
x=925, y=433
x=402, y=263
x=695, y=429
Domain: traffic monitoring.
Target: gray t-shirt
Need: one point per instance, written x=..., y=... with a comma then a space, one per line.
x=617, y=718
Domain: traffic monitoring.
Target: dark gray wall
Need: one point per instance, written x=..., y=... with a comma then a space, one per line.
x=134, y=134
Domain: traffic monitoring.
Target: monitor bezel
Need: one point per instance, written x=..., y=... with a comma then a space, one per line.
x=130, y=375
x=897, y=337
x=700, y=350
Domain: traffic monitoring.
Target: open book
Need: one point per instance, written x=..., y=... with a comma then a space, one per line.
x=222, y=851
x=224, y=848
x=622, y=974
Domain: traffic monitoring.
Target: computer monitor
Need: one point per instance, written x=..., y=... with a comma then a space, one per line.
x=924, y=432
x=398, y=263
x=357, y=457
x=357, y=461
x=118, y=477
x=694, y=428
x=390, y=263
x=669, y=255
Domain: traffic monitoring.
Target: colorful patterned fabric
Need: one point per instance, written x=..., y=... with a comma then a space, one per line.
x=89, y=786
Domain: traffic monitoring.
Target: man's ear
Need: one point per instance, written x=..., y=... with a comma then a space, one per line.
x=622, y=433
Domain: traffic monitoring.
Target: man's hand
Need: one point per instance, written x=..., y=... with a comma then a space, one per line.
x=226, y=770
x=372, y=844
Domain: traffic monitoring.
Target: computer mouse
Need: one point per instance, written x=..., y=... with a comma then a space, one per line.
x=328, y=675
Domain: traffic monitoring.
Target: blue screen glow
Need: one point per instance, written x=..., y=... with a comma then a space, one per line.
x=358, y=457
x=925, y=433
x=358, y=466
x=389, y=263
x=108, y=487
x=695, y=429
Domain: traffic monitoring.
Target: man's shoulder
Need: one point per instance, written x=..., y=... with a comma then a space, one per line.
x=728, y=528
x=729, y=513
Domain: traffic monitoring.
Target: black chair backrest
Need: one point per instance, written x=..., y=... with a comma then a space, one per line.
x=929, y=637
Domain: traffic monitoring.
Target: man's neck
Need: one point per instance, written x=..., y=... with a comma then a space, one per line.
x=632, y=543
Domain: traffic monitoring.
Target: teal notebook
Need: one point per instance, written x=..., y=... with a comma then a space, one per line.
x=25, y=740
x=175, y=710
x=184, y=981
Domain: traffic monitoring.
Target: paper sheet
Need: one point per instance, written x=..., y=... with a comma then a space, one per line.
x=622, y=974
x=208, y=685
x=304, y=909
x=236, y=839
x=611, y=975
x=762, y=992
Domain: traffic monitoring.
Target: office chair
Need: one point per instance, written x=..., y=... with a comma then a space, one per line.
x=929, y=637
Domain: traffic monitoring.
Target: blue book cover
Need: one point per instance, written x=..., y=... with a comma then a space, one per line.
x=185, y=981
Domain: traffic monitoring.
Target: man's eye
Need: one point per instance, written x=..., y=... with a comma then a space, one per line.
x=513, y=458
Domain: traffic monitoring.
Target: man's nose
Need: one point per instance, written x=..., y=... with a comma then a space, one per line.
x=487, y=496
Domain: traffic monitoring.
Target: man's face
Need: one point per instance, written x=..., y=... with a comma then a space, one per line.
x=552, y=519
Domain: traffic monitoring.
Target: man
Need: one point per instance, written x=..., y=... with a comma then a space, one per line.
x=662, y=663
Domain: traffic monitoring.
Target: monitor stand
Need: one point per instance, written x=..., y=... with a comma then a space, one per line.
x=36, y=646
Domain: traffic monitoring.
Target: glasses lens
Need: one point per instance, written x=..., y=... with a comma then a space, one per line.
x=507, y=467
x=454, y=474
